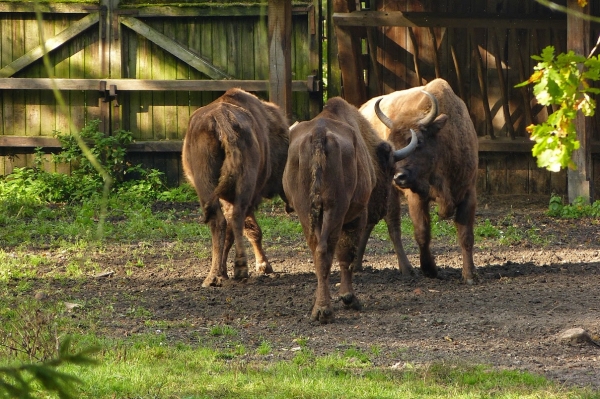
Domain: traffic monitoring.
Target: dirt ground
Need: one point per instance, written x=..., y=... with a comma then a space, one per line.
x=527, y=294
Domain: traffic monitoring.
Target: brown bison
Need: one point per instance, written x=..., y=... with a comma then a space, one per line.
x=234, y=153
x=443, y=168
x=335, y=164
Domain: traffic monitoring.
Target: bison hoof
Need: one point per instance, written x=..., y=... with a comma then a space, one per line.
x=213, y=281
x=323, y=315
x=264, y=268
x=351, y=301
x=240, y=273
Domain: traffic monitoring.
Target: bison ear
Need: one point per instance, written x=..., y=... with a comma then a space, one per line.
x=437, y=124
x=384, y=154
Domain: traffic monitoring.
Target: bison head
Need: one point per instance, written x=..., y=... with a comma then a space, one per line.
x=414, y=167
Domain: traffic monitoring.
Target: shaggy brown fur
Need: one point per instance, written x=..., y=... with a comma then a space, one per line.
x=442, y=169
x=234, y=153
x=335, y=162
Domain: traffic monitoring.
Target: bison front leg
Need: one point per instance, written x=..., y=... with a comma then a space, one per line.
x=218, y=269
x=357, y=265
x=464, y=220
x=392, y=219
x=418, y=208
x=253, y=232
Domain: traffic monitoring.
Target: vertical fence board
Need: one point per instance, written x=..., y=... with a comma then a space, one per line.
x=182, y=98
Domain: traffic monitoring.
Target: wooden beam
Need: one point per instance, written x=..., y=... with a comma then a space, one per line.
x=38, y=52
x=447, y=20
x=185, y=10
x=280, y=54
x=48, y=8
x=144, y=85
x=28, y=143
x=349, y=57
x=580, y=181
x=20, y=143
x=171, y=46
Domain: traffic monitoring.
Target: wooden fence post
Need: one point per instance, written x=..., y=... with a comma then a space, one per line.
x=580, y=180
x=280, y=54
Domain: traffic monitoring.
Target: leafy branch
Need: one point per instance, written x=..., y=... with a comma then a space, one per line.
x=561, y=80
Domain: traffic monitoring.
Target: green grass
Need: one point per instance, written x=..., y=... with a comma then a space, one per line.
x=148, y=367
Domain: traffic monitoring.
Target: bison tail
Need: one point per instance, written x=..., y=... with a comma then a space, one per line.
x=318, y=155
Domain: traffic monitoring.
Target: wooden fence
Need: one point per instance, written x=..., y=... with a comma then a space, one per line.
x=141, y=69
x=145, y=69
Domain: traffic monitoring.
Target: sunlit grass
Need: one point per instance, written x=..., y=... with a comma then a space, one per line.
x=147, y=366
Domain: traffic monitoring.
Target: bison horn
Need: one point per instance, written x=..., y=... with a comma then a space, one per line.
x=406, y=151
x=383, y=117
x=433, y=113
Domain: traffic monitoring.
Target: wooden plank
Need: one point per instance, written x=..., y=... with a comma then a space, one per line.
x=64, y=56
x=580, y=180
x=446, y=20
x=6, y=56
x=249, y=10
x=200, y=40
x=18, y=98
x=315, y=48
x=144, y=71
x=517, y=170
x=158, y=97
x=349, y=56
x=280, y=66
x=50, y=44
x=502, y=84
x=30, y=7
x=176, y=113
x=142, y=84
x=334, y=73
x=520, y=145
x=47, y=99
x=32, y=101
x=92, y=70
x=116, y=68
x=174, y=48
x=496, y=174
x=300, y=65
x=539, y=178
x=487, y=126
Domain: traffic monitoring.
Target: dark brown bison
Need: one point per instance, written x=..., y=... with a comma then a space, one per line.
x=335, y=164
x=234, y=153
x=443, y=168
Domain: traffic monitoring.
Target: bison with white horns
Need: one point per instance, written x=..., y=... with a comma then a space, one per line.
x=233, y=154
x=336, y=165
x=443, y=168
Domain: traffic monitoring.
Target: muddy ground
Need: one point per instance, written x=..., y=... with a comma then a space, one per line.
x=527, y=294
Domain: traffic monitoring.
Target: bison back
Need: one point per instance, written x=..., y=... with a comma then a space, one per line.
x=223, y=158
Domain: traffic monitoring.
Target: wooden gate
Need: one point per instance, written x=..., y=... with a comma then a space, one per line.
x=143, y=69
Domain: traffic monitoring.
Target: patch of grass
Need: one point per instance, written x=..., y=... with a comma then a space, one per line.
x=222, y=331
x=264, y=348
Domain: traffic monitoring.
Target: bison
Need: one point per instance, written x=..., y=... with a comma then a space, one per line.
x=443, y=168
x=234, y=153
x=336, y=162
